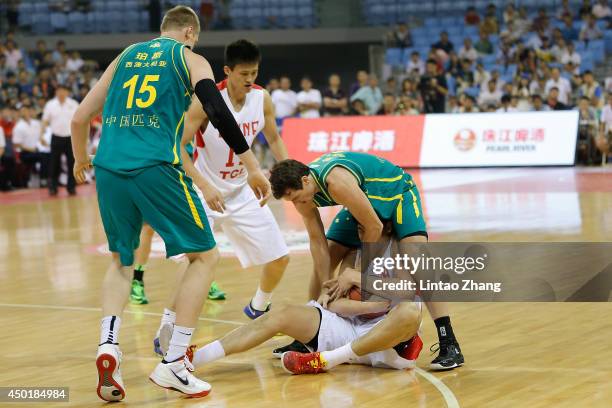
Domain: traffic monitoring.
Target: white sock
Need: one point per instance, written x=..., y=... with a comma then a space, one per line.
x=209, y=353
x=261, y=299
x=181, y=337
x=109, y=329
x=339, y=356
x=168, y=317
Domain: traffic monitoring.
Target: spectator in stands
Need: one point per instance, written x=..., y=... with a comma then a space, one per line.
x=471, y=17
x=334, y=98
x=505, y=107
x=362, y=80
x=481, y=75
x=284, y=99
x=467, y=50
x=390, y=85
x=2, y=145
x=568, y=31
x=553, y=101
x=509, y=15
x=400, y=37
x=407, y=106
x=604, y=141
x=521, y=24
x=371, y=95
x=570, y=55
x=490, y=25
x=444, y=44
x=537, y=104
x=13, y=55
x=4, y=163
x=499, y=82
x=484, y=46
x=521, y=92
x=536, y=39
x=570, y=69
x=602, y=11
x=59, y=52
x=558, y=49
x=388, y=106
x=358, y=108
x=506, y=53
x=589, y=30
x=272, y=85
x=491, y=95
x=465, y=76
x=565, y=10
x=544, y=51
x=57, y=115
x=74, y=62
x=468, y=104
x=585, y=9
x=541, y=22
x=7, y=163
x=409, y=91
x=415, y=64
x=24, y=84
x=207, y=12
x=453, y=65
x=563, y=86
x=39, y=53
x=591, y=89
x=433, y=89
x=309, y=99
x=26, y=140
x=588, y=126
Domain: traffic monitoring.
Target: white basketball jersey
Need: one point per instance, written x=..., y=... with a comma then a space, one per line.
x=214, y=158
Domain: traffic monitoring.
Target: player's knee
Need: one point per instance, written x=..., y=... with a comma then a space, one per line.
x=210, y=257
x=282, y=262
x=280, y=315
x=407, y=316
x=147, y=231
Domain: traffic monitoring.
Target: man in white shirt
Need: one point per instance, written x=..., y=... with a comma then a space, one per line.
x=13, y=55
x=601, y=10
x=284, y=99
x=57, y=115
x=505, y=105
x=26, y=140
x=570, y=55
x=490, y=96
x=309, y=100
x=563, y=84
x=468, y=51
x=415, y=64
x=74, y=62
x=605, y=139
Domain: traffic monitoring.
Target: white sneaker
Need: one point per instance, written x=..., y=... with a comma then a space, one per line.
x=176, y=376
x=110, y=383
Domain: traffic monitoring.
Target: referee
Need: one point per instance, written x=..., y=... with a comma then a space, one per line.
x=58, y=114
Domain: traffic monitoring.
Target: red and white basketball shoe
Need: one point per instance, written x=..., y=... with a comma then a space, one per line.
x=110, y=383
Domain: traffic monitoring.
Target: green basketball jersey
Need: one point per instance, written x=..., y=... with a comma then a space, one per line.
x=383, y=182
x=142, y=120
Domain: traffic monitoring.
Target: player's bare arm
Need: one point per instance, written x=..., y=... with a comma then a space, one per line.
x=318, y=246
x=270, y=130
x=79, y=127
x=218, y=113
x=344, y=189
x=194, y=118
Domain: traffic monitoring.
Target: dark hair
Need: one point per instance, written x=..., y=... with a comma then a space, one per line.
x=585, y=98
x=241, y=52
x=287, y=174
x=505, y=98
x=432, y=61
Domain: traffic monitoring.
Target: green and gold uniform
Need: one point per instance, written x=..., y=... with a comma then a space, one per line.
x=390, y=190
x=139, y=174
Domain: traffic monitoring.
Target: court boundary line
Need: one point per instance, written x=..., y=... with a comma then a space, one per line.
x=447, y=393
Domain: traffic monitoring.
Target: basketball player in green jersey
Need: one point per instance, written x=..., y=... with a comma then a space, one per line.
x=372, y=191
x=142, y=175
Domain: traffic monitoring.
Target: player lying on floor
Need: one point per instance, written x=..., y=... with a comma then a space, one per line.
x=336, y=332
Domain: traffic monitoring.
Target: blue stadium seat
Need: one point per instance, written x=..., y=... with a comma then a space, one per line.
x=597, y=49
x=238, y=16
x=59, y=22
x=254, y=18
x=26, y=10
x=41, y=23
x=393, y=56
x=431, y=22
x=305, y=17
x=90, y=22
x=116, y=22
x=288, y=17
x=143, y=21
x=76, y=22
x=41, y=7
x=130, y=19
x=608, y=40
x=99, y=5
x=473, y=91
x=132, y=5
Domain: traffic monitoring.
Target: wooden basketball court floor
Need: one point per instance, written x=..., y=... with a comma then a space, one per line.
x=517, y=354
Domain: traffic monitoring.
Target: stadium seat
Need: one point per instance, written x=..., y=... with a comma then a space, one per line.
x=76, y=22
x=143, y=21
x=59, y=22
x=288, y=17
x=393, y=56
x=41, y=7
x=41, y=23
x=305, y=17
x=253, y=18
x=608, y=40
x=130, y=19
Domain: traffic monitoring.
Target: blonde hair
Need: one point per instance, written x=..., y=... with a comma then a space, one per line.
x=180, y=17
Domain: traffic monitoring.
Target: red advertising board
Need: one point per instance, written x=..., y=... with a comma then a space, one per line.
x=396, y=138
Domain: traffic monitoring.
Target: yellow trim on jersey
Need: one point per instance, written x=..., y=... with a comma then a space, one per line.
x=176, y=156
x=185, y=65
x=386, y=180
x=176, y=69
x=399, y=197
x=414, y=204
x=192, y=207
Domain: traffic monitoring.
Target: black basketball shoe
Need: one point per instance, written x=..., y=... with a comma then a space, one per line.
x=295, y=346
x=449, y=356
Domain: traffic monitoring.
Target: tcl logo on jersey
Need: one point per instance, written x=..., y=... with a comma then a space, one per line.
x=465, y=140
